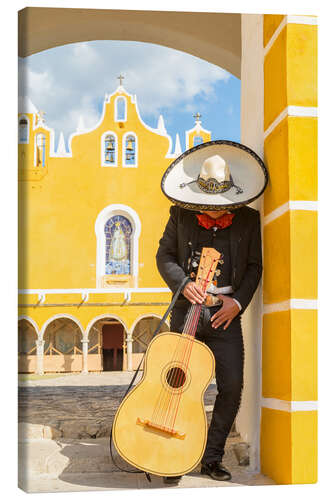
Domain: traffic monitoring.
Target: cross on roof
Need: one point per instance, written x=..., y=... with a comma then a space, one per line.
x=120, y=78
x=197, y=117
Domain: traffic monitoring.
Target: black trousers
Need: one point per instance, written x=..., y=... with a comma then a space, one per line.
x=228, y=349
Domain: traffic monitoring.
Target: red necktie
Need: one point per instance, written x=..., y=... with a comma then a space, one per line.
x=207, y=222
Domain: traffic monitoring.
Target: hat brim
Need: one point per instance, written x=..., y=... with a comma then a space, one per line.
x=247, y=170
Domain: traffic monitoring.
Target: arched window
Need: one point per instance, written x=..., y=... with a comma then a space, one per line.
x=197, y=140
x=117, y=229
x=120, y=111
x=118, y=235
x=130, y=147
x=40, y=150
x=23, y=130
x=109, y=150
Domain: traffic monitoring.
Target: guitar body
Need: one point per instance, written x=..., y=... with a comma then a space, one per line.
x=160, y=426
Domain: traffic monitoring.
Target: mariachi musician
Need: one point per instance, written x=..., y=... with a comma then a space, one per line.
x=210, y=186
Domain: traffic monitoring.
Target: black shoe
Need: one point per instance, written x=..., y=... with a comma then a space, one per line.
x=174, y=480
x=216, y=471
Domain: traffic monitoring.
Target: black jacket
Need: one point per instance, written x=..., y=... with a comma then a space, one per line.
x=180, y=235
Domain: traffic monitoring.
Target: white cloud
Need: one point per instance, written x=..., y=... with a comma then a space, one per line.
x=72, y=80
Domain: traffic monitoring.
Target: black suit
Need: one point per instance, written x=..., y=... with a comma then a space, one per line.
x=245, y=246
x=173, y=256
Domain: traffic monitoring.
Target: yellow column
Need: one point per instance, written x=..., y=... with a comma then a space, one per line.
x=289, y=339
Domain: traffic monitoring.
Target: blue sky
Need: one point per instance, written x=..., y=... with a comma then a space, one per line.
x=71, y=80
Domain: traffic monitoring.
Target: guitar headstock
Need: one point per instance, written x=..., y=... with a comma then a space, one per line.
x=208, y=262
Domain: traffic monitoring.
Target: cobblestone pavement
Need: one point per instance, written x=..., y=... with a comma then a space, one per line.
x=79, y=406
x=84, y=379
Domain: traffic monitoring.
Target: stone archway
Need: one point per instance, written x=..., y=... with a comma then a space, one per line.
x=106, y=345
x=27, y=347
x=213, y=36
x=62, y=346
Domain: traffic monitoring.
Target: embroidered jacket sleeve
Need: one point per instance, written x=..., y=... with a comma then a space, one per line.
x=166, y=257
x=253, y=271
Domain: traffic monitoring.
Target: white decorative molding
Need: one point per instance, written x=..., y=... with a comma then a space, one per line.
x=198, y=129
x=300, y=111
x=47, y=291
x=31, y=321
x=290, y=205
x=178, y=148
x=145, y=316
x=104, y=316
x=289, y=406
x=60, y=316
x=102, y=218
x=136, y=158
x=286, y=305
x=25, y=105
x=288, y=20
x=114, y=135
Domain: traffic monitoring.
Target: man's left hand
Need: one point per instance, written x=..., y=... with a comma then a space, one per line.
x=226, y=313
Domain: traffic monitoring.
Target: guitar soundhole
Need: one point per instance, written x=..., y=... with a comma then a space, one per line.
x=176, y=377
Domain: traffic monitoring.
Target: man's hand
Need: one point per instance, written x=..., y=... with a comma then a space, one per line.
x=226, y=313
x=193, y=293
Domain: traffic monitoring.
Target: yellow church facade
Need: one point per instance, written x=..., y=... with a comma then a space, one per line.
x=90, y=219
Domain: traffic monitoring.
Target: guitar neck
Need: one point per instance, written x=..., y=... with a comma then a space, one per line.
x=193, y=316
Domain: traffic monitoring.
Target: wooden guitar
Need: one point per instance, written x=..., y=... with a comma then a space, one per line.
x=161, y=427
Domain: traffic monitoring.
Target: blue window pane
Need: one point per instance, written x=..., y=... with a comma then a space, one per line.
x=197, y=140
x=130, y=150
x=118, y=231
x=110, y=150
x=23, y=130
x=121, y=109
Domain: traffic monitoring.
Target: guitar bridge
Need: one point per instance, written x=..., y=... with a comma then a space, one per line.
x=161, y=428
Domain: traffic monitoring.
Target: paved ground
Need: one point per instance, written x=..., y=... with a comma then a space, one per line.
x=83, y=379
x=82, y=464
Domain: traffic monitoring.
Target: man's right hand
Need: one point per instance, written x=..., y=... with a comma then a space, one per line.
x=193, y=293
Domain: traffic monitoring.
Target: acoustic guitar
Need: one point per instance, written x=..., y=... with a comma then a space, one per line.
x=161, y=427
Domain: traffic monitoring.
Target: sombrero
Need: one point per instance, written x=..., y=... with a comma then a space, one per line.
x=215, y=175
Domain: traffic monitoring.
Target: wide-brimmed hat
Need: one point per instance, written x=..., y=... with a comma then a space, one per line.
x=215, y=175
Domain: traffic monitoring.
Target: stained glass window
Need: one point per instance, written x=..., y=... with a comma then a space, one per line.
x=118, y=232
x=130, y=150
x=197, y=140
x=121, y=109
x=110, y=149
x=23, y=130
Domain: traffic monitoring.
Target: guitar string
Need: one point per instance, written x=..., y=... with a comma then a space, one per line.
x=191, y=328
x=158, y=411
x=165, y=394
x=187, y=352
x=166, y=406
x=180, y=372
x=191, y=346
x=180, y=353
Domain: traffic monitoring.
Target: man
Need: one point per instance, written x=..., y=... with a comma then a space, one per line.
x=235, y=233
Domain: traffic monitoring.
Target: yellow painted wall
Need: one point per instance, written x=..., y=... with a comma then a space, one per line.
x=289, y=355
x=57, y=215
x=289, y=338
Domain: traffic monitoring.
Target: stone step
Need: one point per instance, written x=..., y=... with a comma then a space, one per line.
x=72, y=428
x=70, y=456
